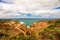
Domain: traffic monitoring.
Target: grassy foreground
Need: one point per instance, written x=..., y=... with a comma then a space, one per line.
x=39, y=30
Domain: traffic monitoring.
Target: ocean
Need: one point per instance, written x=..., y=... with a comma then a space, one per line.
x=29, y=21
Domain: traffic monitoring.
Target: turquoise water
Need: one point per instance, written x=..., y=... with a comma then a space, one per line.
x=28, y=22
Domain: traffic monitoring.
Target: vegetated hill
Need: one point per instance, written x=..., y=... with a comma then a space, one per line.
x=11, y=28
x=46, y=29
x=39, y=30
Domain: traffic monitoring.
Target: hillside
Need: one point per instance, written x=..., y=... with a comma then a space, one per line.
x=39, y=30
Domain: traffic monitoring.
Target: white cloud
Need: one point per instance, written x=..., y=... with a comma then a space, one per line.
x=35, y=7
x=26, y=6
x=37, y=12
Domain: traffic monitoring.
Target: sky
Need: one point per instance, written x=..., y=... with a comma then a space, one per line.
x=29, y=8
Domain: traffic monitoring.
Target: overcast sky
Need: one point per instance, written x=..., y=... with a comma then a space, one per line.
x=13, y=8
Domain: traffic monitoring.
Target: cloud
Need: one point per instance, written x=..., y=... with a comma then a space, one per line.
x=41, y=14
x=30, y=5
x=34, y=7
x=37, y=12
